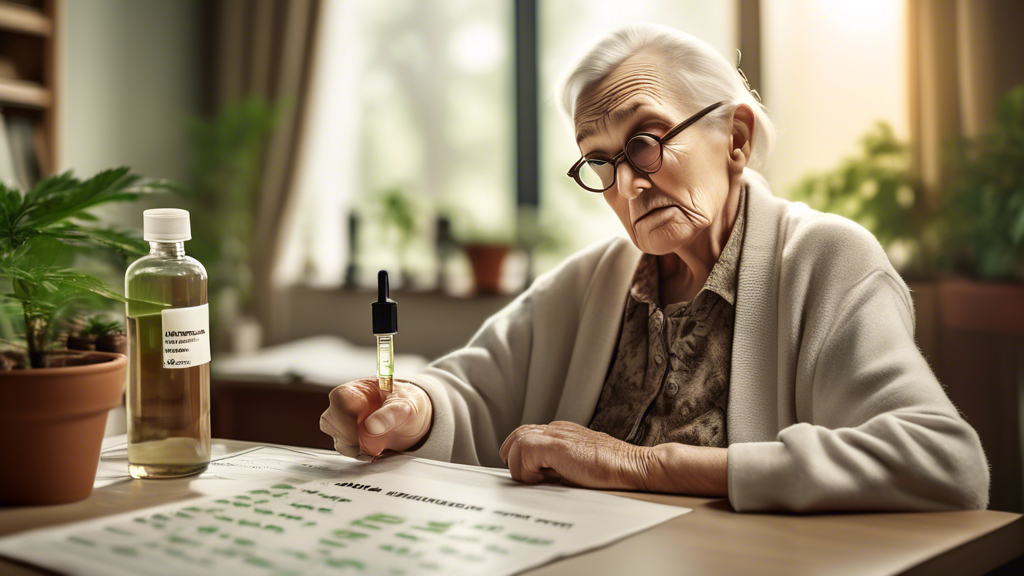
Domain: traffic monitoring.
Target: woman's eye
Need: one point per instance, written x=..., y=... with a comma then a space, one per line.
x=597, y=163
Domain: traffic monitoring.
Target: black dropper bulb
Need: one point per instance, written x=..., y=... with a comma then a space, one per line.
x=385, y=310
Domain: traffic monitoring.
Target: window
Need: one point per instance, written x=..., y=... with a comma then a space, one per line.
x=420, y=97
x=831, y=70
x=409, y=97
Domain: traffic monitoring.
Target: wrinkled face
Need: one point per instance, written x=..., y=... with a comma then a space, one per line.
x=667, y=210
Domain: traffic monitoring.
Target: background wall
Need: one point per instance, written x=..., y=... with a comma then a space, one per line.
x=825, y=83
x=131, y=71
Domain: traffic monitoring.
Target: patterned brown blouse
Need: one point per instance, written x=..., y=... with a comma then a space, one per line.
x=669, y=378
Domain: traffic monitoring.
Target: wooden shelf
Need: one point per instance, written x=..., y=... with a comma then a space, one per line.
x=25, y=94
x=24, y=19
x=30, y=37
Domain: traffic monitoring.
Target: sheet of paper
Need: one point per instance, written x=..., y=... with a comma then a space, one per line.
x=394, y=516
x=252, y=464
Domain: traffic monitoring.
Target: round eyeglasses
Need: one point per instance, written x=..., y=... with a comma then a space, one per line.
x=643, y=151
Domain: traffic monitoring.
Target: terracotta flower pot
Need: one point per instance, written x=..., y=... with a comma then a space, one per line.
x=487, y=261
x=51, y=427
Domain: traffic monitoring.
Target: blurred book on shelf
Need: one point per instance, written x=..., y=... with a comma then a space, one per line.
x=21, y=145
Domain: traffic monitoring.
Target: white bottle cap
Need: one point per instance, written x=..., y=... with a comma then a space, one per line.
x=166, y=225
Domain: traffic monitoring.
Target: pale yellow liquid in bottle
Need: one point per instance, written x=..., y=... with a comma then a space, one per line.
x=168, y=408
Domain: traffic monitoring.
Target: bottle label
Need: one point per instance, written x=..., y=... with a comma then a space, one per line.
x=186, y=336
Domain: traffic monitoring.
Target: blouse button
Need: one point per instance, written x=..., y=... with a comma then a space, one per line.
x=658, y=359
x=672, y=389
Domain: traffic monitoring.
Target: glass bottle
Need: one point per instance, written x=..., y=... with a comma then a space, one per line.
x=168, y=399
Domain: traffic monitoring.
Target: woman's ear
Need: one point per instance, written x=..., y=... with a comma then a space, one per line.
x=741, y=144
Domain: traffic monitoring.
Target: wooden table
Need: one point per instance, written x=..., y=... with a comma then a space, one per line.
x=711, y=540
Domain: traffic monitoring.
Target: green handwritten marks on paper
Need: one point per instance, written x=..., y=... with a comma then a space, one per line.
x=401, y=551
x=385, y=519
x=349, y=535
x=345, y=563
x=437, y=527
x=377, y=521
x=530, y=539
x=332, y=543
x=289, y=529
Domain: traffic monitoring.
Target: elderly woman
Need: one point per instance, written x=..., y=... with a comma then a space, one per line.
x=736, y=345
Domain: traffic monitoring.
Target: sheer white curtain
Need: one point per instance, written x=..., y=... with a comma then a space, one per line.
x=314, y=239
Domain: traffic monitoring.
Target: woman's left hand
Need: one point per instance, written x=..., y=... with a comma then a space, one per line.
x=577, y=455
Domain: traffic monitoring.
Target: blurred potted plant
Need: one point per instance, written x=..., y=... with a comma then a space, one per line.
x=983, y=216
x=227, y=166
x=875, y=189
x=399, y=213
x=486, y=250
x=97, y=333
x=54, y=403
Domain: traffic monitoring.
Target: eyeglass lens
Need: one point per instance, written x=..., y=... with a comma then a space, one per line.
x=642, y=151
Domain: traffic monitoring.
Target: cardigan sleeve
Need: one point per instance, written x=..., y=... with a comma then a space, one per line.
x=882, y=434
x=478, y=391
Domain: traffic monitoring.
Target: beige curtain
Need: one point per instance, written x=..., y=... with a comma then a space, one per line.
x=963, y=56
x=266, y=47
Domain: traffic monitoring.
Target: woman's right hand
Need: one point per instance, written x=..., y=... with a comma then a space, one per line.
x=360, y=417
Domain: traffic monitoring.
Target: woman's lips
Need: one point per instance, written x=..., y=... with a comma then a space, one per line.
x=654, y=211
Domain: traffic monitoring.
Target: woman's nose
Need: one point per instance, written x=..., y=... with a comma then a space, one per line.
x=630, y=183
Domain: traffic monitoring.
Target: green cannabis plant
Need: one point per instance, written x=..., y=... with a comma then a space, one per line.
x=42, y=233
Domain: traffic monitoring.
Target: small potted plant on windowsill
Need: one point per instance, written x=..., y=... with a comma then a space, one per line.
x=54, y=402
x=398, y=212
x=486, y=250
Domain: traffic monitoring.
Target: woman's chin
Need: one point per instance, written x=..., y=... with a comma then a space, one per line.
x=661, y=240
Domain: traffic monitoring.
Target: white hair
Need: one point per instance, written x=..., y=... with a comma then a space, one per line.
x=702, y=74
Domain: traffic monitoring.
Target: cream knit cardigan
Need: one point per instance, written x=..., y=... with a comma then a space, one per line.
x=831, y=404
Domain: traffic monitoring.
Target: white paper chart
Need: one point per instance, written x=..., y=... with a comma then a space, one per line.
x=396, y=516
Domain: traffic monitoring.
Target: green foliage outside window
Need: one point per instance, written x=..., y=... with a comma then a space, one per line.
x=875, y=189
x=984, y=207
x=978, y=228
